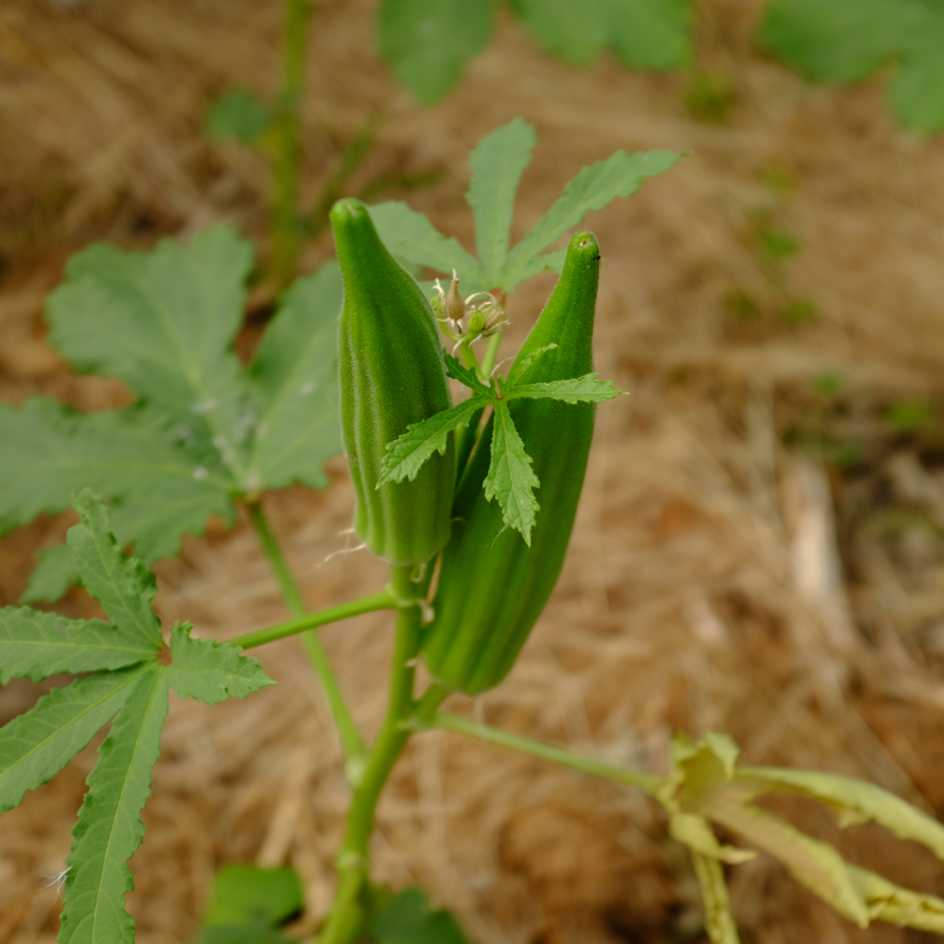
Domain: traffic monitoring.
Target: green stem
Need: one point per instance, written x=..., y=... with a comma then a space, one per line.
x=351, y=740
x=287, y=150
x=346, y=918
x=332, y=614
x=586, y=765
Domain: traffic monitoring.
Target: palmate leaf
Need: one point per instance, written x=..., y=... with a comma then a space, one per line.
x=209, y=671
x=465, y=375
x=109, y=827
x=294, y=377
x=510, y=479
x=36, y=645
x=164, y=322
x=36, y=745
x=497, y=165
x=428, y=44
x=407, y=918
x=123, y=585
x=847, y=40
x=405, y=455
x=240, y=115
x=205, y=431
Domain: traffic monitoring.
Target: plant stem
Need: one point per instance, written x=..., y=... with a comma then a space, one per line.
x=332, y=614
x=346, y=918
x=285, y=214
x=351, y=740
x=586, y=765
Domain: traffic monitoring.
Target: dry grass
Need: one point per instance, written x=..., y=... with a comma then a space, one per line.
x=721, y=576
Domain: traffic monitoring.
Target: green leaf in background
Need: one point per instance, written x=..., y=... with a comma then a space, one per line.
x=51, y=452
x=36, y=645
x=414, y=240
x=109, y=827
x=37, y=744
x=429, y=44
x=847, y=40
x=211, y=671
x=586, y=389
x=123, y=585
x=240, y=115
x=510, y=479
x=242, y=934
x=205, y=431
x=406, y=918
x=644, y=34
x=164, y=322
x=620, y=175
x=405, y=455
x=244, y=894
x=294, y=377
x=497, y=164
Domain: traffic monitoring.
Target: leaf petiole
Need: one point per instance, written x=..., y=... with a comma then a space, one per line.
x=332, y=614
x=587, y=765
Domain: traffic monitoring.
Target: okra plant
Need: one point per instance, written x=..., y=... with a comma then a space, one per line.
x=471, y=502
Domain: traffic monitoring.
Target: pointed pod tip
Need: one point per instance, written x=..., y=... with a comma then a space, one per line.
x=585, y=245
x=348, y=209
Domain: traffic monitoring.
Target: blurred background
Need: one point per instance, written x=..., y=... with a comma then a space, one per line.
x=760, y=546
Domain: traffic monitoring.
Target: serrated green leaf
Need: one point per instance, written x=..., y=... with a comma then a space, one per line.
x=211, y=671
x=248, y=894
x=36, y=645
x=294, y=374
x=37, y=744
x=123, y=585
x=465, y=375
x=847, y=40
x=854, y=800
x=620, y=175
x=50, y=453
x=412, y=238
x=406, y=918
x=238, y=114
x=109, y=827
x=510, y=479
x=164, y=322
x=586, y=389
x=497, y=163
x=719, y=919
x=429, y=44
x=406, y=455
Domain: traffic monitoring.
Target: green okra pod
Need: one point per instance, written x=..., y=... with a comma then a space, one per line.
x=391, y=374
x=492, y=586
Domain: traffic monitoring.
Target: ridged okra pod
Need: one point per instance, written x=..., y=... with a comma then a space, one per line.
x=391, y=374
x=492, y=586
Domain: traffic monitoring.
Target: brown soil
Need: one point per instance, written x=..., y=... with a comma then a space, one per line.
x=701, y=591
